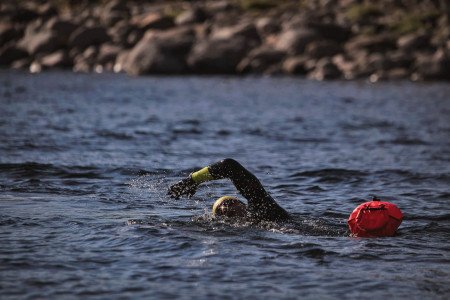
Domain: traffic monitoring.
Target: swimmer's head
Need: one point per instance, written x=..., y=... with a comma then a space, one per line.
x=230, y=207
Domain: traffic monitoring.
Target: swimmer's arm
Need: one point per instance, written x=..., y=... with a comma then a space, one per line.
x=260, y=203
x=184, y=187
x=245, y=182
x=188, y=186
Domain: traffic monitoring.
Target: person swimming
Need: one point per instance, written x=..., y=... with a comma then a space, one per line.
x=260, y=205
x=374, y=218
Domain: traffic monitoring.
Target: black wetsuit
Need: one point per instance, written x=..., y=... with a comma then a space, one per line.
x=261, y=206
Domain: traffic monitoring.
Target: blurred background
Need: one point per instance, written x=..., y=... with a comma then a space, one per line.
x=103, y=104
x=323, y=39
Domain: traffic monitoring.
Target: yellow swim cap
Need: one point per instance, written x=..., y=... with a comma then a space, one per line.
x=222, y=199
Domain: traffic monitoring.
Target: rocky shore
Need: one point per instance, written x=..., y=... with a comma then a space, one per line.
x=322, y=39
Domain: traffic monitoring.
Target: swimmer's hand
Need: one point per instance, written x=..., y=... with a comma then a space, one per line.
x=185, y=187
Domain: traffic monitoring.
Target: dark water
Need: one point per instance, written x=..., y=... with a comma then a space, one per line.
x=85, y=161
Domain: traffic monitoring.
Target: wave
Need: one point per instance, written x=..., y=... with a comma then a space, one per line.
x=405, y=142
x=330, y=175
x=344, y=175
x=33, y=169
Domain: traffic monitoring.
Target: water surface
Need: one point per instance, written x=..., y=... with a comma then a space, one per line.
x=85, y=160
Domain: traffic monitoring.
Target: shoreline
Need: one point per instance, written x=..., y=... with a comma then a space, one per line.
x=321, y=40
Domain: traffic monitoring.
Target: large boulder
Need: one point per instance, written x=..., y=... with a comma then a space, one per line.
x=191, y=16
x=84, y=37
x=11, y=53
x=153, y=21
x=8, y=32
x=85, y=61
x=268, y=25
x=245, y=30
x=160, y=52
x=217, y=56
x=63, y=28
x=330, y=31
x=117, y=5
x=21, y=14
x=107, y=53
x=58, y=59
x=371, y=43
x=387, y=61
x=295, y=65
x=295, y=41
x=436, y=66
x=322, y=48
x=114, y=12
x=326, y=69
x=125, y=34
x=260, y=59
x=43, y=41
x=414, y=41
x=121, y=61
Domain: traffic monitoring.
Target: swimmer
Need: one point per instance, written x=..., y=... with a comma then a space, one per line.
x=375, y=218
x=261, y=206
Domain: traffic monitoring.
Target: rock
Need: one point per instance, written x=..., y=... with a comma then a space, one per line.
x=245, y=30
x=121, y=60
x=267, y=25
x=397, y=73
x=153, y=21
x=400, y=60
x=217, y=56
x=8, y=32
x=44, y=41
x=117, y=5
x=330, y=31
x=58, y=59
x=295, y=65
x=436, y=66
x=110, y=18
x=377, y=61
x=113, y=12
x=11, y=53
x=125, y=34
x=220, y=6
x=22, y=63
x=85, y=61
x=47, y=11
x=260, y=59
x=191, y=16
x=160, y=53
x=349, y=68
x=294, y=41
x=133, y=37
x=108, y=53
x=388, y=61
x=414, y=42
x=84, y=37
x=62, y=28
x=325, y=69
x=375, y=43
x=274, y=70
x=323, y=48
x=22, y=14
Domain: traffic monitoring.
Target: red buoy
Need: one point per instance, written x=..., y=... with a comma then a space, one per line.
x=375, y=218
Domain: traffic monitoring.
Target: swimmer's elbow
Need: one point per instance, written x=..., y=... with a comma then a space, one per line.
x=231, y=163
